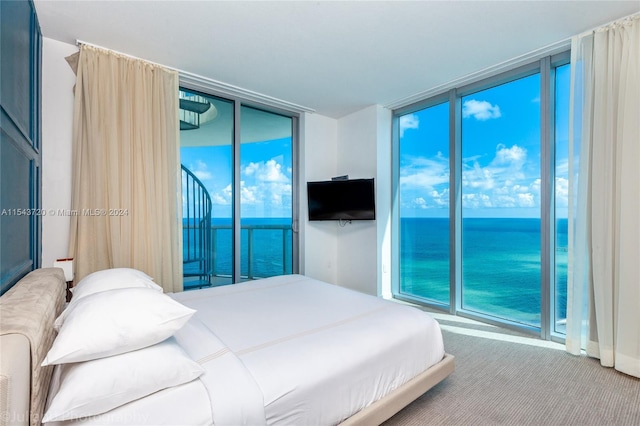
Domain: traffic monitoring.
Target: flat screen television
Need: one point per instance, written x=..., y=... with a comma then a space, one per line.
x=352, y=199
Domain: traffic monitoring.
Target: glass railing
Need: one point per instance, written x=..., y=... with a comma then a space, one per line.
x=266, y=251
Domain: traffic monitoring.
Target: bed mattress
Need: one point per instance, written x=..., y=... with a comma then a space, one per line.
x=286, y=350
x=318, y=352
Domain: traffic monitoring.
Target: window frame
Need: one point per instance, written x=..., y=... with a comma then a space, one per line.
x=205, y=88
x=545, y=66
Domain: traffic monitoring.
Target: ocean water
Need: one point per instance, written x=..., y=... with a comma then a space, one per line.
x=501, y=267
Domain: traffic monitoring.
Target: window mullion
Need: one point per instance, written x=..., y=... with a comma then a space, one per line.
x=237, y=192
x=455, y=201
x=547, y=173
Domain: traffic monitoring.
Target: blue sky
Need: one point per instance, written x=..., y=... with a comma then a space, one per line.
x=500, y=153
x=265, y=177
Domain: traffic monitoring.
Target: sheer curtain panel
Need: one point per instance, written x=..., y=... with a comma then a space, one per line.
x=125, y=167
x=603, y=307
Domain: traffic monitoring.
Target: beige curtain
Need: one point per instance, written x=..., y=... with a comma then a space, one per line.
x=603, y=307
x=125, y=167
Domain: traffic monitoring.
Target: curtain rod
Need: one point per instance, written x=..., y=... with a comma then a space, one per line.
x=199, y=82
x=609, y=24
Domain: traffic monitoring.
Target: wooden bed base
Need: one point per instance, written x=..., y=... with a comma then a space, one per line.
x=386, y=407
x=27, y=312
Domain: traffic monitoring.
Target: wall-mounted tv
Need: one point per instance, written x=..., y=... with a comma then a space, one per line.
x=352, y=199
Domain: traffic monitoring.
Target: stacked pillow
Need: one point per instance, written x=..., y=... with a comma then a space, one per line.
x=114, y=345
x=109, y=279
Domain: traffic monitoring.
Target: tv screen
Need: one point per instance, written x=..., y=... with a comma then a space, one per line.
x=341, y=200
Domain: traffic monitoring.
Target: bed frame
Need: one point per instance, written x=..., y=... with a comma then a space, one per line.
x=27, y=313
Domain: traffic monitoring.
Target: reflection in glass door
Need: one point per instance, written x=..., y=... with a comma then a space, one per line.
x=501, y=261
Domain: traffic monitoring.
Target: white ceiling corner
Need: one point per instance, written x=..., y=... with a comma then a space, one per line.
x=334, y=57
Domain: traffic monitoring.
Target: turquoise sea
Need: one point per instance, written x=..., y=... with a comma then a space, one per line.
x=501, y=265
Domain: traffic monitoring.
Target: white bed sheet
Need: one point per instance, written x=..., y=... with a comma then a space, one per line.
x=163, y=408
x=319, y=353
x=207, y=400
x=286, y=350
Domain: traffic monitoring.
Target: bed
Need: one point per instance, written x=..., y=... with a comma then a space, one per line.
x=282, y=350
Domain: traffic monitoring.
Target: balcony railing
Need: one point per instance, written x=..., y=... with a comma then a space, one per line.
x=265, y=251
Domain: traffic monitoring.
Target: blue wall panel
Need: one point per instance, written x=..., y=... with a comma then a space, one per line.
x=20, y=156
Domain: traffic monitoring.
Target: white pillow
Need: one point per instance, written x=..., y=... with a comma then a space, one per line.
x=116, y=321
x=94, y=387
x=109, y=279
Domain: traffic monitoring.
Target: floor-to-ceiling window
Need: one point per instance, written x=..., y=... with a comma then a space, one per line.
x=481, y=182
x=501, y=201
x=424, y=203
x=238, y=174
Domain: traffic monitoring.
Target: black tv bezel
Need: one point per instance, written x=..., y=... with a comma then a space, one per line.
x=342, y=216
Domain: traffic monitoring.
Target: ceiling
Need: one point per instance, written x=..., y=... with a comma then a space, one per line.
x=335, y=57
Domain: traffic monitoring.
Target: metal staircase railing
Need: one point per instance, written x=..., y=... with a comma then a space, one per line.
x=197, y=243
x=191, y=107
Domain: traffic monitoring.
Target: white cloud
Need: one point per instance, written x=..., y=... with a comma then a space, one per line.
x=562, y=192
x=270, y=171
x=535, y=186
x=433, y=199
x=480, y=110
x=250, y=194
x=425, y=173
x=222, y=197
x=424, y=182
x=562, y=167
x=478, y=177
x=441, y=199
x=475, y=201
x=251, y=169
x=503, y=183
x=526, y=200
x=265, y=185
x=419, y=203
x=201, y=170
x=409, y=121
x=514, y=156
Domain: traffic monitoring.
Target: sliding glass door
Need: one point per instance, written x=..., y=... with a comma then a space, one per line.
x=266, y=203
x=238, y=174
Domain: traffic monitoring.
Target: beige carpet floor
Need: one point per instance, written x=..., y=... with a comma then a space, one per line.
x=503, y=378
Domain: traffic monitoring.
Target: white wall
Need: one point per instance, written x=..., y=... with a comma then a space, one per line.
x=57, y=120
x=363, y=138
x=384, y=201
x=318, y=240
